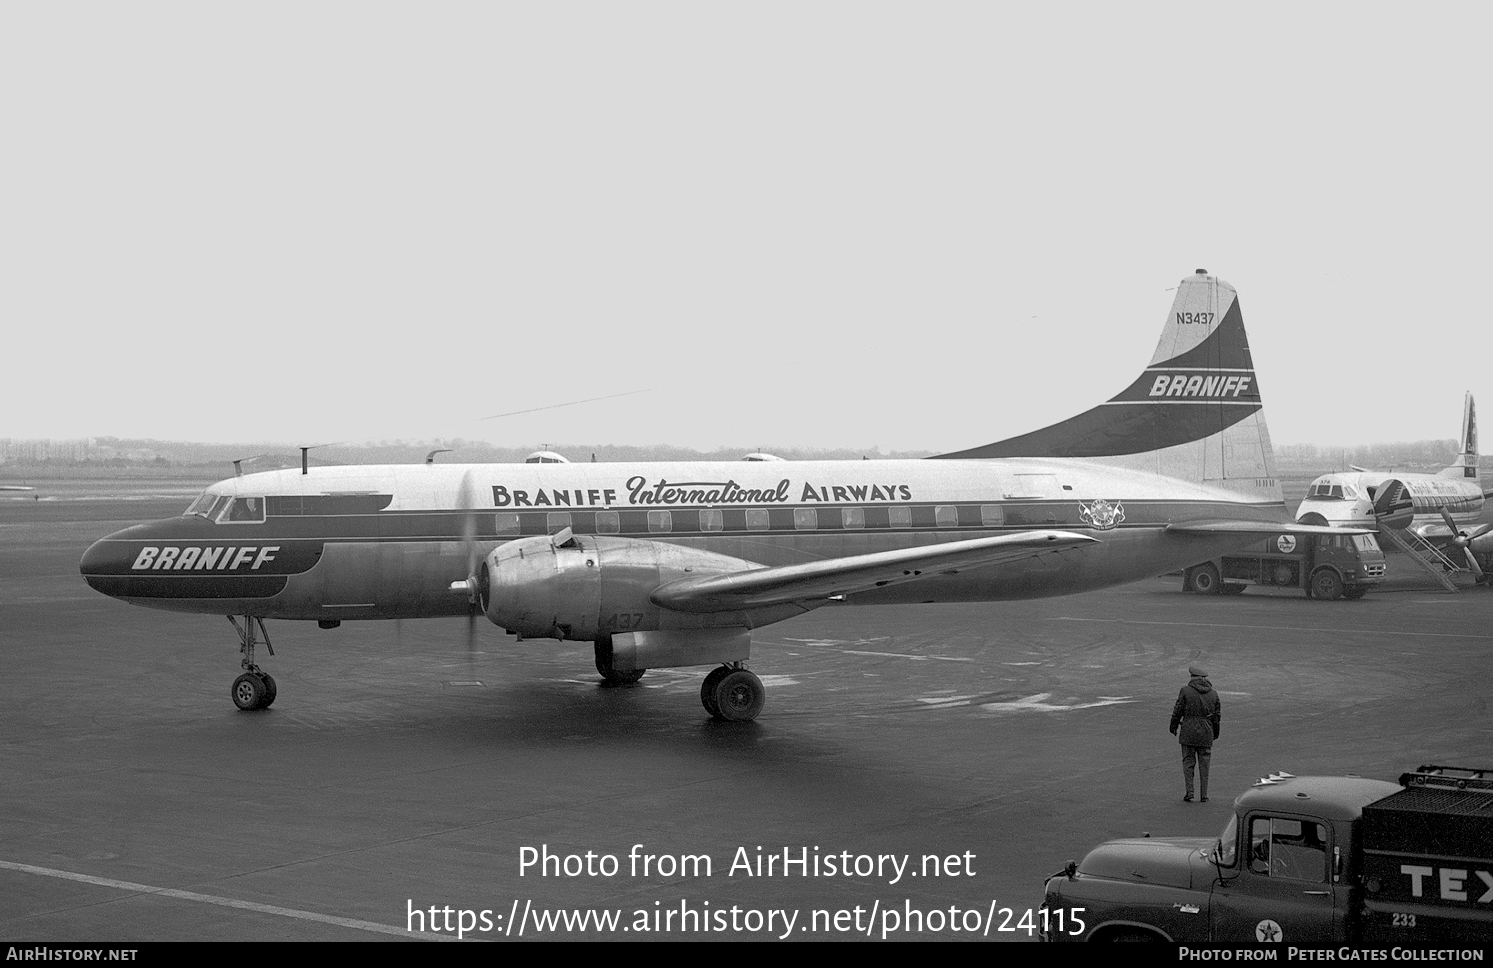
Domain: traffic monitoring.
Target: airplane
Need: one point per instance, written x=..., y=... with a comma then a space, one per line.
x=1433, y=507
x=674, y=564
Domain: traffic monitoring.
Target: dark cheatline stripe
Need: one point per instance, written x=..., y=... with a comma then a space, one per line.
x=1133, y=422
x=184, y=586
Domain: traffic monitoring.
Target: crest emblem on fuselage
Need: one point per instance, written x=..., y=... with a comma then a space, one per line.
x=1101, y=513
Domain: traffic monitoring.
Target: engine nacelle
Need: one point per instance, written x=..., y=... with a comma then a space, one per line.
x=586, y=587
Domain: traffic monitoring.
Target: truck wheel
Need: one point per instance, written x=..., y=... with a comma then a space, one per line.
x=1132, y=936
x=1327, y=586
x=1205, y=579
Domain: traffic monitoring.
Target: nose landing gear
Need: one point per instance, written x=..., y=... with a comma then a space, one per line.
x=255, y=689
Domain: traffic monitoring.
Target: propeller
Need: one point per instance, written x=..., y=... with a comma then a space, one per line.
x=1463, y=539
x=1392, y=505
x=469, y=587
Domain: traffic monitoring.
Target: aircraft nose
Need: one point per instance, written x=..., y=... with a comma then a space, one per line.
x=105, y=560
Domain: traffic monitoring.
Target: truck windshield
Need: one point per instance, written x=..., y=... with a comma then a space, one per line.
x=1366, y=542
x=1228, y=842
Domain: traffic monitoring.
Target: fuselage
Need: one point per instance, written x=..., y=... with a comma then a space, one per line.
x=386, y=541
x=1347, y=499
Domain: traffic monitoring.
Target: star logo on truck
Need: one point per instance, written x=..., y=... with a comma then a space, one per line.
x=1268, y=931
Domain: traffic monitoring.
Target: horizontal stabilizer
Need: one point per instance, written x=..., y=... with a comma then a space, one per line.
x=1260, y=527
x=820, y=580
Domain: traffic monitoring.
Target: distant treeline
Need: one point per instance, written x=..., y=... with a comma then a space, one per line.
x=112, y=456
x=116, y=456
x=1414, y=455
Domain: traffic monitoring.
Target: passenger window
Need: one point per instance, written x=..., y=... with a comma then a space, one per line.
x=805, y=519
x=992, y=515
x=660, y=522
x=853, y=517
x=557, y=521
x=711, y=520
x=506, y=522
x=246, y=509
x=758, y=519
x=946, y=516
x=608, y=522
x=899, y=517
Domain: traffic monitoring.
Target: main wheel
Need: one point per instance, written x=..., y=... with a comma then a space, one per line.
x=270, y=691
x=1326, y=585
x=613, y=676
x=248, y=692
x=616, y=677
x=739, y=696
x=1205, y=579
x=707, y=690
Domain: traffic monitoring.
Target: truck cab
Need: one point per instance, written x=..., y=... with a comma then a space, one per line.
x=1303, y=860
x=1283, y=870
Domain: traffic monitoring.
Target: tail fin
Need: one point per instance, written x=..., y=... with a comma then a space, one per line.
x=1194, y=413
x=1465, y=466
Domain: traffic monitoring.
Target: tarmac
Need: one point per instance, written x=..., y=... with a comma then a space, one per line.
x=401, y=779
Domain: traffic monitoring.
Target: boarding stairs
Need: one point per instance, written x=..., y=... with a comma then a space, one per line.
x=1426, y=555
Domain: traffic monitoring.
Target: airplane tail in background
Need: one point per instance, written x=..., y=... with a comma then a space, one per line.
x=1194, y=412
x=1465, y=466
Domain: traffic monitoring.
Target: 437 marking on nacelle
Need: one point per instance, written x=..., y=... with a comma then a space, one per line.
x=624, y=620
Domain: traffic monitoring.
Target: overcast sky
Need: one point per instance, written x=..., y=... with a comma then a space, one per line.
x=796, y=224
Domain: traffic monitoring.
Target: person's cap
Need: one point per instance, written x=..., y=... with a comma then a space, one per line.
x=1196, y=671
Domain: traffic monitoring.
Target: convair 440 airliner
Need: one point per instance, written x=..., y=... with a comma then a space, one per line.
x=1437, y=507
x=674, y=564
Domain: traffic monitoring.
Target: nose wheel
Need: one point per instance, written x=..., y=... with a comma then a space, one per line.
x=255, y=688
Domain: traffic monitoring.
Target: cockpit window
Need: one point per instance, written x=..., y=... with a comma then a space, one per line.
x=1327, y=491
x=244, y=509
x=202, y=505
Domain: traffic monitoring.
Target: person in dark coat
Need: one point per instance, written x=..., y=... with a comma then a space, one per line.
x=1195, y=718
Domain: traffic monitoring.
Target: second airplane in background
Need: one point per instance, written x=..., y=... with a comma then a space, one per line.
x=1414, y=510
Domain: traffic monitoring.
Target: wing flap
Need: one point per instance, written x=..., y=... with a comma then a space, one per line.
x=821, y=580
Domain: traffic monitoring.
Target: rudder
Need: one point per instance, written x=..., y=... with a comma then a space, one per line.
x=1465, y=466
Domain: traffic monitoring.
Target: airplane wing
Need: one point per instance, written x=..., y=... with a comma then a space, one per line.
x=1260, y=527
x=821, y=580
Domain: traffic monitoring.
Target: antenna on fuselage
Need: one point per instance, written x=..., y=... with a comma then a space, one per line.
x=430, y=457
x=304, y=463
x=238, y=465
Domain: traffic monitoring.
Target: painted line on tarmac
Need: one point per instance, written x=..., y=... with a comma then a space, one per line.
x=353, y=923
x=1267, y=628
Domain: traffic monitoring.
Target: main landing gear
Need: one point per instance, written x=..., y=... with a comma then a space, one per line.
x=730, y=692
x=733, y=693
x=255, y=689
